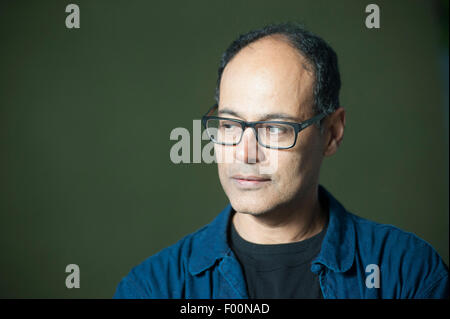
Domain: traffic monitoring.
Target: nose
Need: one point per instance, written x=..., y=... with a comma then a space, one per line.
x=247, y=151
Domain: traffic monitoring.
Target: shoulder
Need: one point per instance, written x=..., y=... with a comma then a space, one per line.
x=402, y=256
x=160, y=275
x=378, y=234
x=388, y=237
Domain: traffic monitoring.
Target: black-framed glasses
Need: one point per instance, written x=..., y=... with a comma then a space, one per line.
x=270, y=134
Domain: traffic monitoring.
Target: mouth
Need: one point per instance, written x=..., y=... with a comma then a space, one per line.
x=250, y=181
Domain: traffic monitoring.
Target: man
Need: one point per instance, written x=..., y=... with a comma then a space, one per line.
x=283, y=235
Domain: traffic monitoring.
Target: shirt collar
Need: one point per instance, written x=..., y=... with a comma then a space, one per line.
x=337, y=251
x=211, y=244
x=338, y=246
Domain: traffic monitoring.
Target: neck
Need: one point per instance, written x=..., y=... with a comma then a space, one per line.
x=292, y=223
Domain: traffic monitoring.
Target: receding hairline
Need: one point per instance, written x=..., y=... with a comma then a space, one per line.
x=280, y=37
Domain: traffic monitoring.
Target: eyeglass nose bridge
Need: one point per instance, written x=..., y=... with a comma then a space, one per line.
x=244, y=126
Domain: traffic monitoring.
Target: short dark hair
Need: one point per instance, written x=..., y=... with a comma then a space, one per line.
x=317, y=52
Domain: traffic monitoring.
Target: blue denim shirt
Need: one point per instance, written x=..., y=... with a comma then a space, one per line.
x=358, y=259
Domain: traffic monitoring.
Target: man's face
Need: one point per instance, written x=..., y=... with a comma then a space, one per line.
x=268, y=80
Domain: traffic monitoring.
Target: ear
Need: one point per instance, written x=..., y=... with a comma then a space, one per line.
x=335, y=125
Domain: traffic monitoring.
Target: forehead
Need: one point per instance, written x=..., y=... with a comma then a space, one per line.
x=267, y=76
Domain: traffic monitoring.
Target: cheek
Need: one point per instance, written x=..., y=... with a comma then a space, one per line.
x=289, y=172
x=222, y=166
x=224, y=154
x=296, y=166
x=222, y=170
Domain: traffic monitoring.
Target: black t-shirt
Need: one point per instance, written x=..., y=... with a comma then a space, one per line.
x=279, y=270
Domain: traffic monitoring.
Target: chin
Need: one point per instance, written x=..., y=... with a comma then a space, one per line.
x=253, y=205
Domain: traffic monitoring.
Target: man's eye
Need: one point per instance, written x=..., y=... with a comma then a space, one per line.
x=229, y=125
x=276, y=129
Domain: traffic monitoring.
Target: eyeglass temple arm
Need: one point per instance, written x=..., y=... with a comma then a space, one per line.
x=211, y=110
x=313, y=120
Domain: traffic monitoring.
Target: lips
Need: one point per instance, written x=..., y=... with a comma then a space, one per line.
x=250, y=181
x=251, y=178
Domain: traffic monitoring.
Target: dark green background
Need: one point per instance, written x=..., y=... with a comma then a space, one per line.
x=85, y=118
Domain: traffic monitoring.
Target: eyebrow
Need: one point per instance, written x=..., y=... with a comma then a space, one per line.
x=263, y=117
